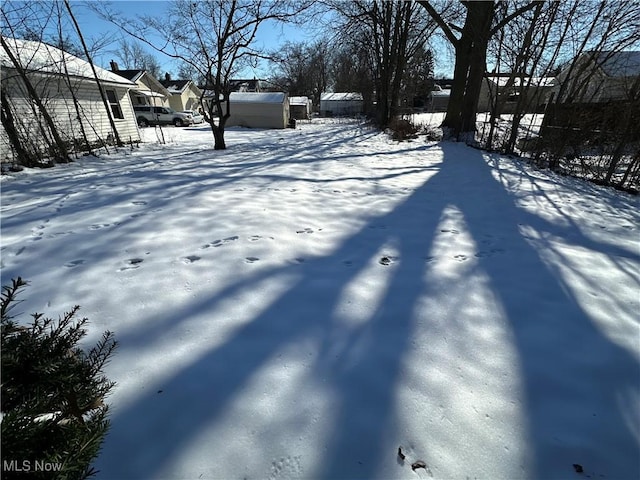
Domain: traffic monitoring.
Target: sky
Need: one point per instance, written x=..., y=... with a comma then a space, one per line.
x=269, y=36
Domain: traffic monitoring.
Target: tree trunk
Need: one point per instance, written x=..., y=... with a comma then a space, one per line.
x=95, y=76
x=452, y=123
x=479, y=31
x=74, y=98
x=218, y=137
x=24, y=157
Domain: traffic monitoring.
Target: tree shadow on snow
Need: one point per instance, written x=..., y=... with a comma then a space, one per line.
x=360, y=366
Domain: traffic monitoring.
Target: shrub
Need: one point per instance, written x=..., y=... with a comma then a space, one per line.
x=53, y=414
x=402, y=129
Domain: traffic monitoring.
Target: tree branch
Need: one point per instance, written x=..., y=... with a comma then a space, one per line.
x=446, y=29
x=516, y=13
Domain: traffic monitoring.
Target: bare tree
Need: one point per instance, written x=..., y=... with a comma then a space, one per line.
x=390, y=34
x=470, y=42
x=132, y=55
x=215, y=37
x=302, y=68
x=103, y=94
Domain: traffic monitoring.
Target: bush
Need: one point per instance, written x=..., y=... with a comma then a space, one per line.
x=53, y=415
x=402, y=129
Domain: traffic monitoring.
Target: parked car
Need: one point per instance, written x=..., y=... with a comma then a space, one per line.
x=147, y=115
x=197, y=117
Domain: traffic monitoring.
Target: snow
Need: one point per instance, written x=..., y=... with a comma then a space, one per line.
x=41, y=57
x=340, y=96
x=307, y=301
x=257, y=97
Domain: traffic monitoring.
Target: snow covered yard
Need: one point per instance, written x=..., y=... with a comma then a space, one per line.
x=307, y=301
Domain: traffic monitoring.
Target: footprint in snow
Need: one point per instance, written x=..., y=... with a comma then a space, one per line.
x=99, y=226
x=489, y=253
x=306, y=230
x=132, y=264
x=73, y=263
x=220, y=242
x=387, y=260
x=191, y=259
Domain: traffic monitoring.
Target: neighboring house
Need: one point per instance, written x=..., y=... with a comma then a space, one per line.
x=55, y=75
x=341, y=104
x=184, y=94
x=250, y=85
x=515, y=91
x=148, y=90
x=596, y=101
x=599, y=77
x=300, y=108
x=259, y=110
x=438, y=99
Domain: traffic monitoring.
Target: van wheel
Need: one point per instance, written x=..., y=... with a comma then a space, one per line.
x=177, y=122
x=142, y=122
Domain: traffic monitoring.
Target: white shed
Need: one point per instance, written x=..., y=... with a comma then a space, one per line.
x=341, y=104
x=259, y=110
x=300, y=107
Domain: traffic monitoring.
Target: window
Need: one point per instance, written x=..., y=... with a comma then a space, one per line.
x=115, y=105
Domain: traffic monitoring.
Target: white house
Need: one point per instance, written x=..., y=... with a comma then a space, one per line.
x=54, y=75
x=259, y=110
x=300, y=108
x=599, y=77
x=438, y=99
x=515, y=91
x=341, y=104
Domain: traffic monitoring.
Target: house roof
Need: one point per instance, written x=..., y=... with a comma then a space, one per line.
x=619, y=64
x=133, y=75
x=257, y=97
x=175, y=86
x=526, y=81
x=299, y=101
x=247, y=84
x=137, y=76
x=340, y=96
x=40, y=57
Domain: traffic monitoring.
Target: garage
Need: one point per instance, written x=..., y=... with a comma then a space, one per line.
x=259, y=110
x=341, y=104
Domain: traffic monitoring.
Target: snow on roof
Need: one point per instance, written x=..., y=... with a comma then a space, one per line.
x=175, y=86
x=501, y=81
x=340, y=96
x=40, y=57
x=133, y=75
x=619, y=64
x=257, y=97
x=298, y=101
x=441, y=93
